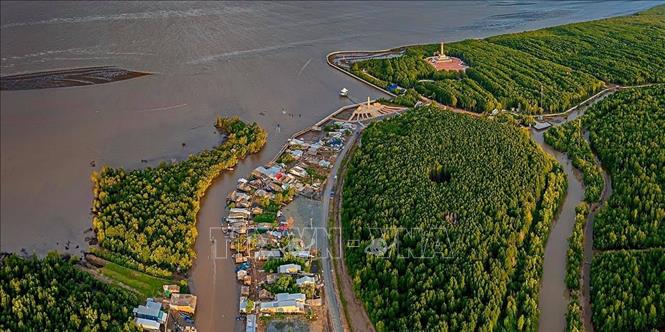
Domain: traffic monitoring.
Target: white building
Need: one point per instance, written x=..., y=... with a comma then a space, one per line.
x=303, y=281
x=289, y=268
x=287, y=307
x=298, y=297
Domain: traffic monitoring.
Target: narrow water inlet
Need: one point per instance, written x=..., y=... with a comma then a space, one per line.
x=553, y=299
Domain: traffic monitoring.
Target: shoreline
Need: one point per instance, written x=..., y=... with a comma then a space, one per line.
x=202, y=264
x=569, y=170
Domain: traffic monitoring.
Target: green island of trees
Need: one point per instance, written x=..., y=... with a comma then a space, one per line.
x=145, y=219
x=547, y=70
x=460, y=208
x=574, y=261
x=569, y=138
x=51, y=294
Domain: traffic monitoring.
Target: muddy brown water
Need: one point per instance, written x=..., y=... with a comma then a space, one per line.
x=553, y=298
x=262, y=61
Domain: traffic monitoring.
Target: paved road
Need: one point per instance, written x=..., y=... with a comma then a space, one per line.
x=332, y=297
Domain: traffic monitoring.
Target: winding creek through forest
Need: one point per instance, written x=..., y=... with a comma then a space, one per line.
x=554, y=295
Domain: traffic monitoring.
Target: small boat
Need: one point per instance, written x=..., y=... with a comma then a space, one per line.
x=344, y=92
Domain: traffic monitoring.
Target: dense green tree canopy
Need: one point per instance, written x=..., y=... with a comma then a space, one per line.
x=547, y=70
x=464, y=206
x=628, y=290
x=52, y=295
x=624, y=50
x=145, y=218
x=627, y=130
x=569, y=138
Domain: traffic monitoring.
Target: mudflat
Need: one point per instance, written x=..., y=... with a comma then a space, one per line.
x=67, y=78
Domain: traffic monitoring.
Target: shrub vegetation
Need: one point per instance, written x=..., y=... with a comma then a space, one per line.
x=145, y=218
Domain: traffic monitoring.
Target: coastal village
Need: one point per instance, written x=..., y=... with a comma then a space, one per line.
x=277, y=268
x=279, y=274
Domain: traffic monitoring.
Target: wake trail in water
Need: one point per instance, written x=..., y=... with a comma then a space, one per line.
x=159, y=14
x=226, y=55
x=304, y=66
x=158, y=109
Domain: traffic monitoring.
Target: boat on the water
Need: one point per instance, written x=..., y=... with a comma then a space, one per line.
x=344, y=92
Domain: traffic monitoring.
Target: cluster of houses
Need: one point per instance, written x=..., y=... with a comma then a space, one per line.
x=273, y=266
x=172, y=313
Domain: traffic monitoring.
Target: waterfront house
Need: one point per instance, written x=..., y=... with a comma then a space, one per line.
x=542, y=125
x=180, y=322
x=238, y=197
x=239, y=213
x=295, y=141
x=244, y=290
x=243, y=204
x=245, y=187
x=246, y=305
x=183, y=302
x=251, y=323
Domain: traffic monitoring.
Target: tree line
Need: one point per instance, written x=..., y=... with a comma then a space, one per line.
x=625, y=130
x=146, y=218
x=462, y=208
x=51, y=294
x=543, y=71
x=569, y=139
